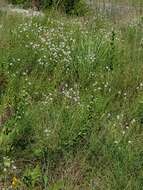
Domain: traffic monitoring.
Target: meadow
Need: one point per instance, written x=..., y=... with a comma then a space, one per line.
x=71, y=102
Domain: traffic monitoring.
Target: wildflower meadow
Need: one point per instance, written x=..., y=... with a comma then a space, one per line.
x=71, y=97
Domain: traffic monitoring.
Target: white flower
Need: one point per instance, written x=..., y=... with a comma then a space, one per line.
x=4, y=169
x=133, y=121
x=24, y=73
x=118, y=117
x=14, y=167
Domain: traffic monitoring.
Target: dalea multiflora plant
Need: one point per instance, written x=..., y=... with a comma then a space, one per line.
x=70, y=103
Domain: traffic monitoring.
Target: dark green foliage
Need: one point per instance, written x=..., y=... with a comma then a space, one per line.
x=46, y=3
x=77, y=7
x=18, y=1
x=69, y=5
x=3, y=82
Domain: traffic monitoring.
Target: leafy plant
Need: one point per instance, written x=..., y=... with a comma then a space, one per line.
x=31, y=177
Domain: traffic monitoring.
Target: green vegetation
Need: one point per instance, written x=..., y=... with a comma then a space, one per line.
x=71, y=103
x=77, y=7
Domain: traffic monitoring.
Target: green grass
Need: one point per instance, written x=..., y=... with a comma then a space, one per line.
x=75, y=86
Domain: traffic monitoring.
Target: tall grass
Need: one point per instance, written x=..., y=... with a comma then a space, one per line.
x=75, y=88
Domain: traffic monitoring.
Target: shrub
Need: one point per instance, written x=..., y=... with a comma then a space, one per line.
x=17, y=1
x=23, y=3
x=80, y=8
x=77, y=7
